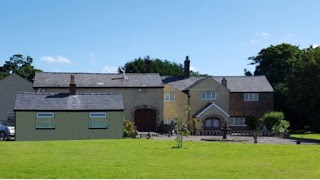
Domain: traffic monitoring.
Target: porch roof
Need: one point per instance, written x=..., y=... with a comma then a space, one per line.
x=207, y=107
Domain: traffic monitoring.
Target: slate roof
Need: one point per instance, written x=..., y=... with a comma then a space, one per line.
x=64, y=101
x=52, y=79
x=234, y=83
x=180, y=82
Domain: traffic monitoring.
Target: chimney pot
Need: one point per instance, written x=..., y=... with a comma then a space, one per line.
x=187, y=67
x=148, y=64
x=224, y=82
x=72, y=86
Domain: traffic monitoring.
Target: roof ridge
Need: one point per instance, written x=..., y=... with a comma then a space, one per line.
x=94, y=73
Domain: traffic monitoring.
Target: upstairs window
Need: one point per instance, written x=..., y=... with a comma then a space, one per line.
x=45, y=120
x=98, y=120
x=169, y=97
x=208, y=95
x=251, y=97
x=237, y=121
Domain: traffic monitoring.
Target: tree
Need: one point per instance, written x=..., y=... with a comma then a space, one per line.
x=303, y=84
x=163, y=67
x=20, y=65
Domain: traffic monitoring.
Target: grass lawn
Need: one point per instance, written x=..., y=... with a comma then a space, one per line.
x=306, y=136
x=141, y=158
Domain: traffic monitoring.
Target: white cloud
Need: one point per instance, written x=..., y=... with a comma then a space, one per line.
x=265, y=34
x=57, y=59
x=110, y=69
x=194, y=69
x=92, y=56
x=315, y=45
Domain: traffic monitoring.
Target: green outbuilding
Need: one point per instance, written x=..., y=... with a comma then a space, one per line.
x=68, y=116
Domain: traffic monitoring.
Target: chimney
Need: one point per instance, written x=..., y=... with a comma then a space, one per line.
x=148, y=64
x=224, y=82
x=72, y=86
x=187, y=68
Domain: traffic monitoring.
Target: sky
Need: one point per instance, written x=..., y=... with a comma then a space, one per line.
x=98, y=36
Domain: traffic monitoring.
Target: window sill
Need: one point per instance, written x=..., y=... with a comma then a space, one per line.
x=45, y=128
x=98, y=128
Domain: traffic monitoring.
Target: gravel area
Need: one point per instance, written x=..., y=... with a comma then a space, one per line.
x=236, y=139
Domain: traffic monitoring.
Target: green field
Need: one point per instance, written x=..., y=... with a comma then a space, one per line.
x=306, y=136
x=141, y=158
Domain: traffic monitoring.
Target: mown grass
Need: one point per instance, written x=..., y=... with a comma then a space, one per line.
x=140, y=158
x=307, y=136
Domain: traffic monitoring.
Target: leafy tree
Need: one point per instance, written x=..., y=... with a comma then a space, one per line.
x=20, y=65
x=163, y=67
x=275, y=62
x=303, y=84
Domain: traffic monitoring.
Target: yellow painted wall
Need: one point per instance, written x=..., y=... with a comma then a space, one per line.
x=68, y=126
x=176, y=108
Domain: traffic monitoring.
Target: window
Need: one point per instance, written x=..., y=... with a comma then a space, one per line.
x=98, y=120
x=211, y=124
x=208, y=95
x=169, y=97
x=45, y=120
x=251, y=97
x=237, y=121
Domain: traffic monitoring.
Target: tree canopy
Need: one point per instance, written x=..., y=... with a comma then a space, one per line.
x=163, y=67
x=294, y=75
x=20, y=65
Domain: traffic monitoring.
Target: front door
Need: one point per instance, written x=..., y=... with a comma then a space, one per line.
x=212, y=123
x=145, y=120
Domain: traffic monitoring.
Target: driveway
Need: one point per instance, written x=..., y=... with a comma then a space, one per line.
x=236, y=139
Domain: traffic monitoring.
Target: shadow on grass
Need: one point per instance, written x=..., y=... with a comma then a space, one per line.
x=306, y=140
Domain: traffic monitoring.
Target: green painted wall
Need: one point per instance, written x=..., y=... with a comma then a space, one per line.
x=68, y=126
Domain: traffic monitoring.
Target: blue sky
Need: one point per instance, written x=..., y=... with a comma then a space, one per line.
x=100, y=35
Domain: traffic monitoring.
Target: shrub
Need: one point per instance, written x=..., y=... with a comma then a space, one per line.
x=280, y=128
x=271, y=118
x=128, y=129
x=252, y=122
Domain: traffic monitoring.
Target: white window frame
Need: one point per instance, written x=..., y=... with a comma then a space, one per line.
x=233, y=121
x=171, y=95
x=205, y=95
x=45, y=115
x=98, y=115
x=251, y=96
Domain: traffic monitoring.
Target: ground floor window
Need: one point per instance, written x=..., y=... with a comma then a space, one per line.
x=237, y=121
x=45, y=120
x=212, y=123
x=98, y=120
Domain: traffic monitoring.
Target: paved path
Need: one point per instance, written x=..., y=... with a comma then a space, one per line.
x=237, y=139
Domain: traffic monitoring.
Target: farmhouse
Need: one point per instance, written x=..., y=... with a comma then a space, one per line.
x=56, y=112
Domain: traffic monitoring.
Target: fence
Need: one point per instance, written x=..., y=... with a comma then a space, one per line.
x=229, y=133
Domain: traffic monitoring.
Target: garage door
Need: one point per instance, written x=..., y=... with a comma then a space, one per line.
x=145, y=120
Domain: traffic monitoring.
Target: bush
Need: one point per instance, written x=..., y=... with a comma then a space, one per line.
x=252, y=122
x=128, y=130
x=272, y=118
x=281, y=127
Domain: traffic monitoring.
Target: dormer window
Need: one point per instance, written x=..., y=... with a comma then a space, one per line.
x=251, y=97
